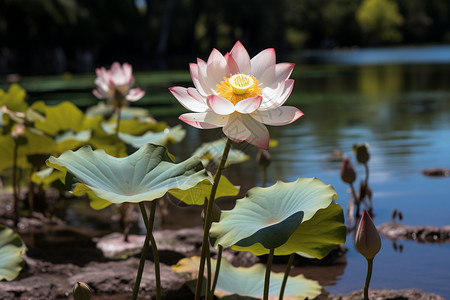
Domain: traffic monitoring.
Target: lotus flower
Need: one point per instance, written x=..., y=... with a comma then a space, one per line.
x=115, y=84
x=239, y=94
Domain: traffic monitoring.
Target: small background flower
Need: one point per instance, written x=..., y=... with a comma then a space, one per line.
x=115, y=84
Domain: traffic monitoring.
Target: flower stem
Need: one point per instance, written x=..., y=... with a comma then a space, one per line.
x=15, y=185
x=368, y=276
x=216, y=273
x=207, y=225
x=118, y=110
x=286, y=275
x=148, y=237
x=267, y=277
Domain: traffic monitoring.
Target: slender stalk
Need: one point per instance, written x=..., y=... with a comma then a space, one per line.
x=208, y=279
x=368, y=276
x=286, y=275
x=207, y=225
x=149, y=221
x=356, y=200
x=118, y=110
x=31, y=193
x=267, y=277
x=15, y=185
x=216, y=273
x=264, y=177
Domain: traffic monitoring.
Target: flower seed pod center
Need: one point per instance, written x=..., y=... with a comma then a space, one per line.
x=240, y=83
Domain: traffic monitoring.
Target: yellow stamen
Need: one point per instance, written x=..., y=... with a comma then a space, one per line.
x=238, y=87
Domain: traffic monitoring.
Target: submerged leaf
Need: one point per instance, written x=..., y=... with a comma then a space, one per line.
x=11, y=249
x=249, y=282
x=145, y=175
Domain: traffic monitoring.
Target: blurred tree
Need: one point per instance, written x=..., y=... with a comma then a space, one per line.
x=379, y=20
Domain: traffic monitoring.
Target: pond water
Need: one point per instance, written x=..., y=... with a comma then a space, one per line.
x=403, y=113
x=401, y=110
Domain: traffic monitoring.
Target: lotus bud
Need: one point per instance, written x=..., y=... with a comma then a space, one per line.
x=348, y=174
x=263, y=158
x=362, y=153
x=367, y=240
x=81, y=291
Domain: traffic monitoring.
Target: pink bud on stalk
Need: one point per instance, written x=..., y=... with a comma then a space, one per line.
x=348, y=174
x=367, y=239
x=368, y=243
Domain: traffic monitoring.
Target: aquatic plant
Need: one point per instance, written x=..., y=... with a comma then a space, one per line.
x=368, y=243
x=242, y=95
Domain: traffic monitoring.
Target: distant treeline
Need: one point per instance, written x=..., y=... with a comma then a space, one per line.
x=77, y=34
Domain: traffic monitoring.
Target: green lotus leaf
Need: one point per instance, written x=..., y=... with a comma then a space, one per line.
x=7, y=154
x=100, y=109
x=175, y=135
x=314, y=238
x=133, y=126
x=47, y=177
x=212, y=152
x=62, y=117
x=11, y=249
x=14, y=98
x=34, y=142
x=269, y=216
x=69, y=140
x=145, y=175
x=249, y=282
x=197, y=194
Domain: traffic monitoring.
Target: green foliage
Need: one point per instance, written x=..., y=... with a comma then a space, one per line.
x=14, y=98
x=11, y=250
x=197, y=194
x=145, y=175
x=212, y=152
x=380, y=20
x=249, y=282
x=274, y=217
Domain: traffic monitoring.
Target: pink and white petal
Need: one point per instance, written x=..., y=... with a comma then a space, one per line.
x=259, y=136
x=101, y=94
x=217, y=69
x=267, y=78
x=270, y=96
x=196, y=80
x=235, y=130
x=196, y=95
x=283, y=71
x=118, y=75
x=241, y=57
x=204, y=120
x=262, y=61
x=135, y=94
x=248, y=105
x=283, y=93
x=128, y=71
x=220, y=105
x=232, y=64
x=185, y=99
x=279, y=116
